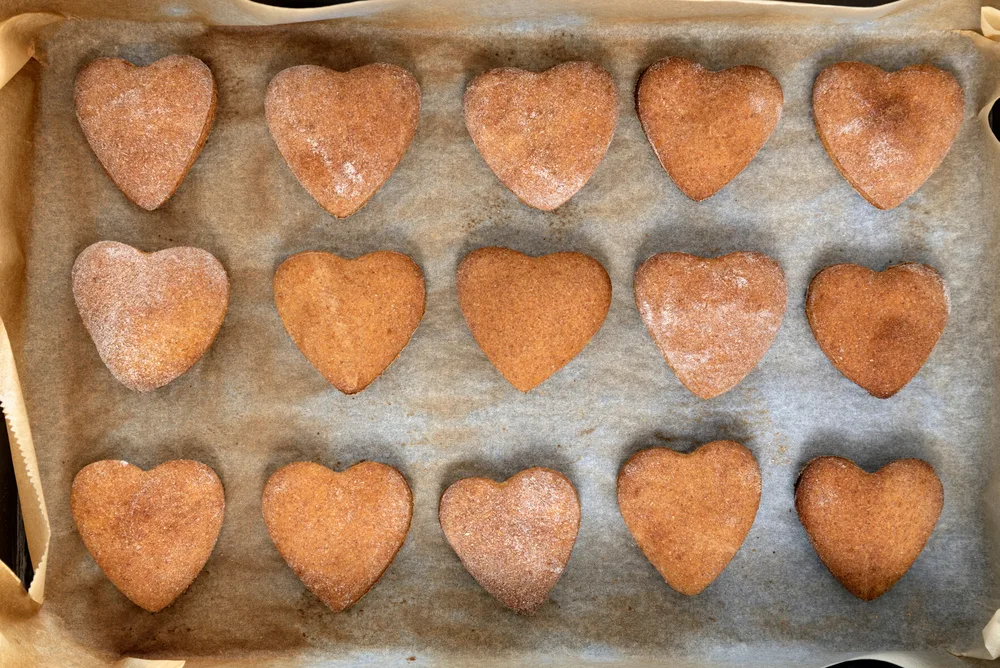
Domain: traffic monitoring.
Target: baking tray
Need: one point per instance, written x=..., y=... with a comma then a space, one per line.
x=441, y=411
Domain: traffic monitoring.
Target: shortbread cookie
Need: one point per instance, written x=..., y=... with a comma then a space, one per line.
x=146, y=125
x=712, y=318
x=868, y=529
x=342, y=133
x=543, y=134
x=878, y=328
x=337, y=531
x=151, y=315
x=350, y=318
x=514, y=537
x=532, y=315
x=705, y=127
x=887, y=132
x=690, y=513
x=151, y=532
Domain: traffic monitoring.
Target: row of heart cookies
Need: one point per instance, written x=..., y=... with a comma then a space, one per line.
x=543, y=134
x=153, y=315
x=152, y=532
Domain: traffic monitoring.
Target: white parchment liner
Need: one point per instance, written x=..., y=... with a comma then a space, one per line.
x=441, y=412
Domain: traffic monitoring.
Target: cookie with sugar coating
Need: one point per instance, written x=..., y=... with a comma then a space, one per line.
x=514, y=537
x=713, y=319
x=706, y=127
x=151, y=532
x=543, y=133
x=146, y=125
x=150, y=315
x=887, y=132
x=342, y=133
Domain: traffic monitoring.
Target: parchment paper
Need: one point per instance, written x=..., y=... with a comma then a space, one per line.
x=441, y=412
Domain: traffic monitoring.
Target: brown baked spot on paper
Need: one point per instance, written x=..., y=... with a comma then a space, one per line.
x=887, y=132
x=337, y=531
x=532, y=315
x=146, y=125
x=150, y=315
x=514, y=537
x=342, y=133
x=543, y=134
x=712, y=318
x=878, y=328
x=690, y=513
x=350, y=318
x=151, y=532
x=705, y=127
x=868, y=529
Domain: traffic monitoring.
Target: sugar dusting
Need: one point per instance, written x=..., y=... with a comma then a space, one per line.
x=887, y=131
x=150, y=315
x=342, y=133
x=929, y=272
x=543, y=134
x=146, y=125
x=713, y=319
x=705, y=126
x=514, y=537
x=151, y=531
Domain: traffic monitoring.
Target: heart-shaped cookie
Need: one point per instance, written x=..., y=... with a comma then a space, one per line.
x=337, y=531
x=868, y=528
x=151, y=532
x=712, y=318
x=690, y=513
x=514, y=537
x=151, y=315
x=878, y=328
x=543, y=134
x=146, y=125
x=342, y=133
x=887, y=132
x=350, y=318
x=532, y=315
x=705, y=127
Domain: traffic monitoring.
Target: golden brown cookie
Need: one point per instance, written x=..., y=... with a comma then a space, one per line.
x=878, y=328
x=514, y=537
x=868, y=528
x=342, y=133
x=543, y=134
x=690, y=513
x=532, y=315
x=887, y=132
x=712, y=318
x=337, y=531
x=705, y=127
x=350, y=318
x=151, y=532
x=146, y=125
x=151, y=315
